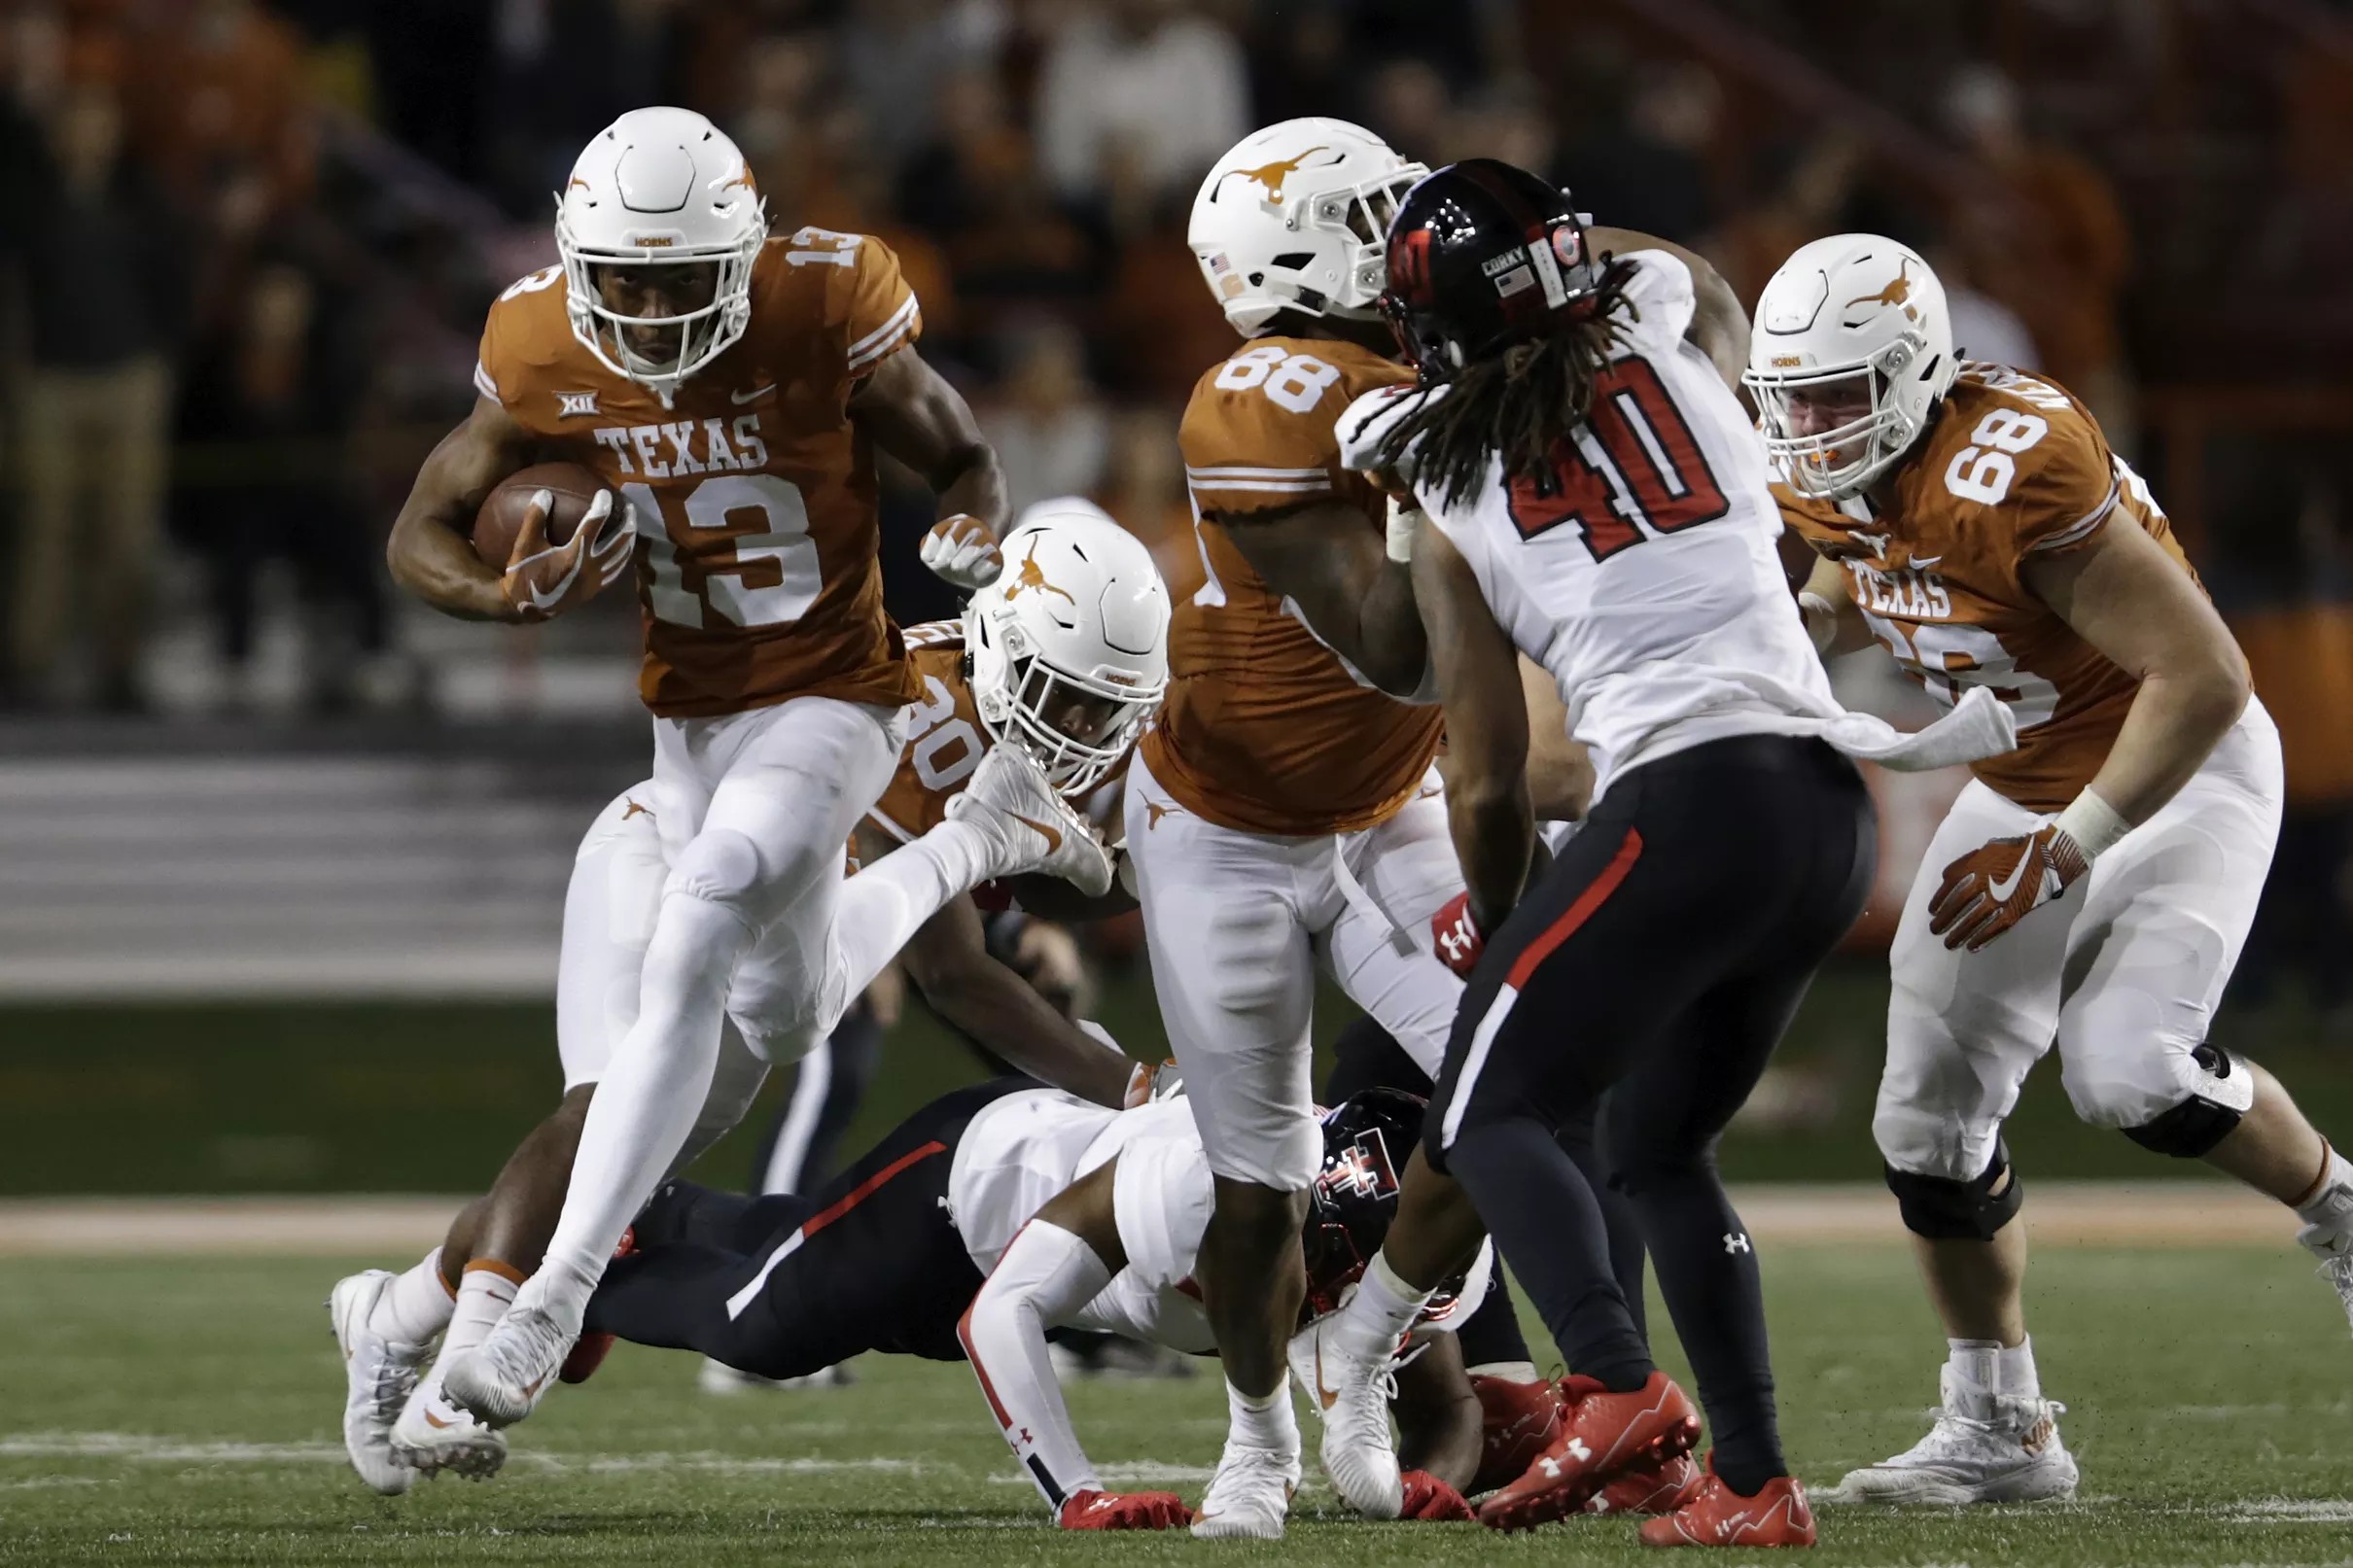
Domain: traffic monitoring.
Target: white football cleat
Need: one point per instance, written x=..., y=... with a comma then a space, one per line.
x=1351, y=1395
x=1982, y=1450
x=503, y=1380
x=2330, y=1239
x=1029, y=824
x=434, y=1435
x=377, y=1377
x=1249, y=1496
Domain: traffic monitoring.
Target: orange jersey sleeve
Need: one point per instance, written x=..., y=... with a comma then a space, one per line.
x=1264, y=729
x=755, y=489
x=2013, y=469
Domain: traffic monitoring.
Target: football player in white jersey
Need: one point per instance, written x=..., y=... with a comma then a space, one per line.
x=1596, y=499
x=1004, y=1210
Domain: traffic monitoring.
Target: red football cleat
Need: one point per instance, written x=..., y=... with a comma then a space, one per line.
x=1124, y=1511
x=1648, y=1489
x=1603, y=1435
x=589, y=1350
x=1719, y=1516
x=1518, y=1419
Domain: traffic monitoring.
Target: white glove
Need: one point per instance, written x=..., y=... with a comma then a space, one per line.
x=542, y=581
x=963, y=551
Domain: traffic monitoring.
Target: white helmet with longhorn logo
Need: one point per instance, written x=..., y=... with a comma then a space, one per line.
x=1297, y=217
x=1070, y=646
x=659, y=188
x=1860, y=319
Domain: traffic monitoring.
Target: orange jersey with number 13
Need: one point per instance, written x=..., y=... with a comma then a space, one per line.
x=2011, y=468
x=755, y=494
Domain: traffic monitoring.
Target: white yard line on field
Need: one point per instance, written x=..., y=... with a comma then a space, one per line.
x=152, y=1449
x=2060, y=1213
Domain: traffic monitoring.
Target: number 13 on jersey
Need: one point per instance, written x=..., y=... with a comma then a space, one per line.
x=735, y=551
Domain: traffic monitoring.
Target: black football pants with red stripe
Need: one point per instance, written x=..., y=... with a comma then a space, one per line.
x=788, y=1285
x=1659, y=962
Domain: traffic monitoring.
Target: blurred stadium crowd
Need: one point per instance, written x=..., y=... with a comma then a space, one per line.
x=247, y=246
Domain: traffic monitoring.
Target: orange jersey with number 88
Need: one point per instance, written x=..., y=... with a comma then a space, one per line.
x=2012, y=468
x=756, y=495
x=1263, y=729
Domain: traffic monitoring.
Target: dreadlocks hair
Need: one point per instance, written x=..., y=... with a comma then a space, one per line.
x=1519, y=400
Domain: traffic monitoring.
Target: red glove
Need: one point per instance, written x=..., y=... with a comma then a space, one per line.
x=1426, y=1497
x=1457, y=939
x=1125, y=1510
x=1993, y=886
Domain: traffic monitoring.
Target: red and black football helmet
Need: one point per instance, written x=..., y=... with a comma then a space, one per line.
x=1483, y=254
x=1367, y=1139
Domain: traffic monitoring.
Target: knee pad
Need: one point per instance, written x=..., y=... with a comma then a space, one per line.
x=720, y=866
x=2191, y=1129
x=1941, y=1210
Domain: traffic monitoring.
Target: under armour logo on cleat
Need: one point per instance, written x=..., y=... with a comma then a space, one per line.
x=1735, y=1241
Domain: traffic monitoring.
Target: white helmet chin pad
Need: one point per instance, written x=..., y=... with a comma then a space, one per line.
x=1846, y=307
x=1297, y=217
x=1078, y=624
x=659, y=188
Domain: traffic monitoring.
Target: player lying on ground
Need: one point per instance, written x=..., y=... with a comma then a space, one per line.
x=1972, y=519
x=1004, y=1211
x=1597, y=501
x=1057, y=684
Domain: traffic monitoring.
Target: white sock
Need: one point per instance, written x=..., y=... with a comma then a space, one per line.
x=646, y=1103
x=1987, y=1370
x=2327, y=1202
x=486, y=1290
x=884, y=905
x=1262, y=1421
x=1379, y=1313
x=416, y=1306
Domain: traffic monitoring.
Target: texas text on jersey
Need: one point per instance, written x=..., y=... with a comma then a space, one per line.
x=760, y=581
x=1264, y=729
x=2012, y=468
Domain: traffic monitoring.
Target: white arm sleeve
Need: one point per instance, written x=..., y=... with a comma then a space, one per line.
x=1045, y=1278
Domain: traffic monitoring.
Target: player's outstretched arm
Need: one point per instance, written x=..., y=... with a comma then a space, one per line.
x=1324, y=558
x=1478, y=672
x=919, y=419
x=948, y=959
x=2126, y=597
x=1720, y=324
x=1440, y=1429
x=1060, y=1261
x=1560, y=775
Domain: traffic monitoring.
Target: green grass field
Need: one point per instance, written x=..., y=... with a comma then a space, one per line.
x=186, y=1413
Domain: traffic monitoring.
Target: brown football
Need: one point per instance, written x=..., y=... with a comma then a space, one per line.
x=501, y=517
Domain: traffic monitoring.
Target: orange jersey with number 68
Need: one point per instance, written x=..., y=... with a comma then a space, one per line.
x=2012, y=468
x=756, y=495
x=1263, y=728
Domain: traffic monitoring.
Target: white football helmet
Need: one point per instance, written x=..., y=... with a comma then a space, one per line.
x=660, y=186
x=1297, y=217
x=1069, y=647
x=1852, y=307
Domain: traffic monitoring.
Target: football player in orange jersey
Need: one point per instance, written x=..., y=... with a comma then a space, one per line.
x=732, y=386
x=1068, y=685
x=1283, y=811
x=2090, y=890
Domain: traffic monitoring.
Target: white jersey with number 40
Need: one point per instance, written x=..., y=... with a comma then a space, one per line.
x=1643, y=573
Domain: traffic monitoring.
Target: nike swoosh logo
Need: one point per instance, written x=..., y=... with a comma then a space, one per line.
x=434, y=1420
x=1052, y=835
x=1323, y=1391
x=2001, y=890
x=739, y=399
